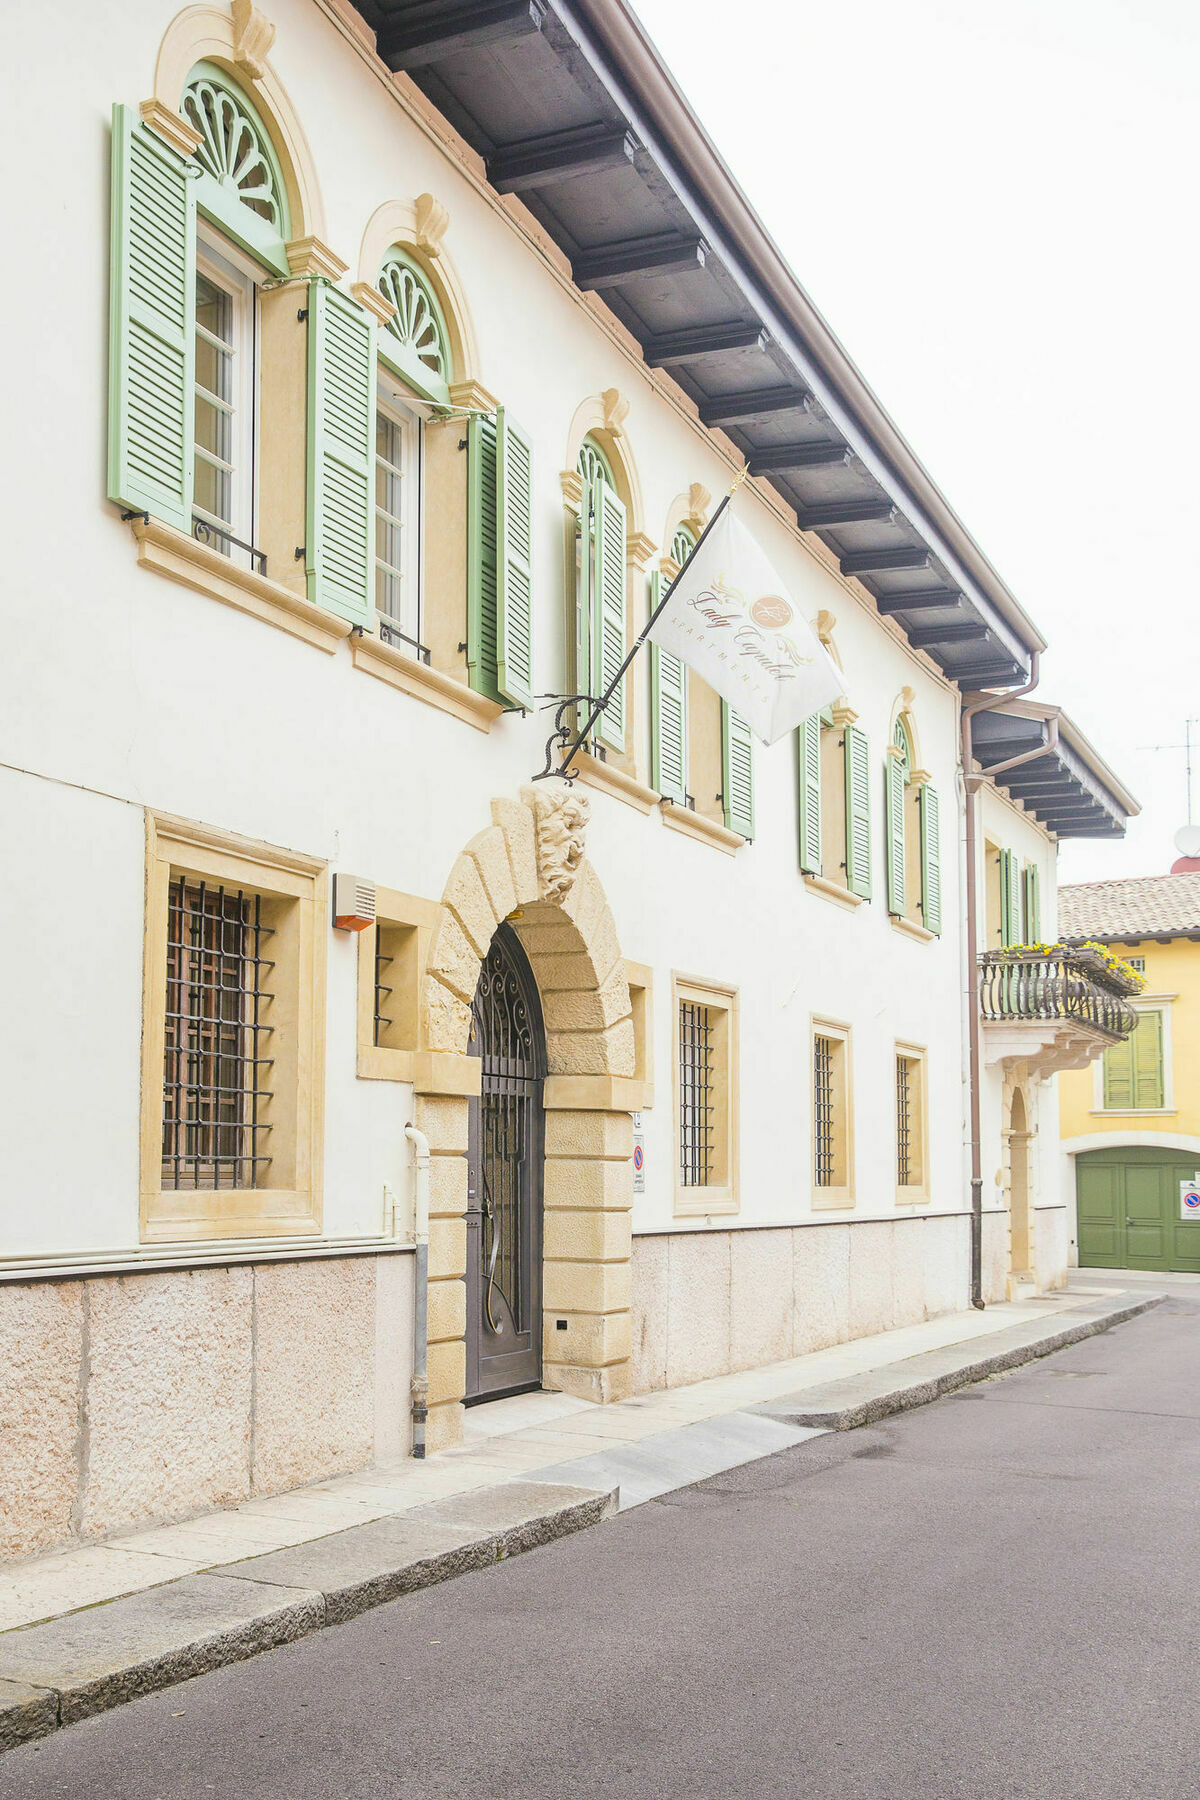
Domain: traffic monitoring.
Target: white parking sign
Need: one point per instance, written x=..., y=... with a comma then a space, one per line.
x=1189, y=1200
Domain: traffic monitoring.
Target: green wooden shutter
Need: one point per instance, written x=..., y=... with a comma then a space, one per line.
x=483, y=537
x=858, y=812
x=1010, y=899
x=808, y=784
x=151, y=325
x=893, y=795
x=1149, y=1085
x=608, y=612
x=514, y=563
x=668, y=716
x=585, y=581
x=340, y=528
x=931, y=858
x=1118, y=1076
x=737, y=771
x=1033, y=906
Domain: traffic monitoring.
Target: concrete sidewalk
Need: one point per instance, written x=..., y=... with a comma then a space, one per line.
x=86, y=1628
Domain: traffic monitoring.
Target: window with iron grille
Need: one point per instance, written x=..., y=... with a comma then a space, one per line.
x=217, y=1068
x=831, y=1116
x=705, y=1083
x=823, y=1123
x=696, y=1108
x=383, y=987
x=910, y=1119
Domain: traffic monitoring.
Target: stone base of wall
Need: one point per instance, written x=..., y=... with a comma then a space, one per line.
x=136, y=1399
x=709, y=1303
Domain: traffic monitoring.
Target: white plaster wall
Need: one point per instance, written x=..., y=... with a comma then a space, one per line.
x=135, y=692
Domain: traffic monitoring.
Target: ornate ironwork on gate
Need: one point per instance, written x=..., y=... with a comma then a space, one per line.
x=507, y=1034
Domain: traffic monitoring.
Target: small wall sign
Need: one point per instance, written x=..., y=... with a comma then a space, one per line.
x=639, y=1156
x=1189, y=1200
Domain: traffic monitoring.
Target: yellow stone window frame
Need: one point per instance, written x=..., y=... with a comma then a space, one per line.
x=839, y=1194
x=914, y=1193
x=721, y=1196
x=294, y=889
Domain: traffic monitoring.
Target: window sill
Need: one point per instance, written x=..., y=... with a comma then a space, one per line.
x=180, y=558
x=832, y=890
x=608, y=779
x=187, y=1216
x=909, y=928
x=428, y=1071
x=414, y=677
x=1135, y=1112
x=706, y=1203
x=704, y=830
x=832, y=1199
x=907, y=1196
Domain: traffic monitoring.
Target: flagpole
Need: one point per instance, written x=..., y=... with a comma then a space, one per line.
x=599, y=705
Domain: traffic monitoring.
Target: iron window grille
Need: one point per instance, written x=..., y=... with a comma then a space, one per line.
x=696, y=1106
x=823, y=1120
x=905, y=1084
x=215, y=1078
x=383, y=993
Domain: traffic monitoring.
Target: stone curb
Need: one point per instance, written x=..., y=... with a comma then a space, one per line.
x=85, y=1662
x=844, y=1405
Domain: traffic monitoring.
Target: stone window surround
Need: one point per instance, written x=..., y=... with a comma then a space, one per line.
x=917, y=1193
x=182, y=847
x=722, y=1198
x=841, y=1195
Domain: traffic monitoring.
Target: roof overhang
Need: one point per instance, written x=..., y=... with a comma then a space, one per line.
x=1068, y=787
x=573, y=110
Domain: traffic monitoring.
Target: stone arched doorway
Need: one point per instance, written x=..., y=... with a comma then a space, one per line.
x=1021, y=1259
x=529, y=870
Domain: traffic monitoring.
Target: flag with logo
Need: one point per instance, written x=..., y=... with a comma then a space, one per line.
x=729, y=616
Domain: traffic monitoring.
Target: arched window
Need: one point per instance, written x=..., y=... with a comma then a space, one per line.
x=414, y=340
x=912, y=836
x=600, y=620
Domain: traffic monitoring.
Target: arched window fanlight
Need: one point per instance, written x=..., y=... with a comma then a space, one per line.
x=594, y=466
x=414, y=340
x=682, y=545
x=241, y=187
x=903, y=744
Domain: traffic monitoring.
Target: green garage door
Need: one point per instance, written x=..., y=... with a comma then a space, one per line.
x=1129, y=1210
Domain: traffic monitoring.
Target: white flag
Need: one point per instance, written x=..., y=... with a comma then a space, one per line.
x=729, y=617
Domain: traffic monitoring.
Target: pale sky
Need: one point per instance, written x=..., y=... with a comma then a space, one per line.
x=995, y=208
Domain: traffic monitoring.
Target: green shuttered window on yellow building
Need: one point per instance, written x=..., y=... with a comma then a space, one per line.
x=1134, y=1077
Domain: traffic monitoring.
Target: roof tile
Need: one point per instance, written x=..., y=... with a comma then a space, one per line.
x=1147, y=905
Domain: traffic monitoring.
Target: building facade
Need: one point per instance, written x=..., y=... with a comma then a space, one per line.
x=1131, y=1121
x=376, y=479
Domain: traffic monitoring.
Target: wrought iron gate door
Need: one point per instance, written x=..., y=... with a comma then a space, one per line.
x=504, y=1182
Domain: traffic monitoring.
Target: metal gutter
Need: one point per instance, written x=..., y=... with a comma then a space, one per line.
x=639, y=65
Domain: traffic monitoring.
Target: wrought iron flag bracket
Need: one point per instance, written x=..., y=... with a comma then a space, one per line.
x=562, y=734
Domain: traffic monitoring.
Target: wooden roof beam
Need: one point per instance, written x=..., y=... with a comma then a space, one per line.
x=446, y=29
x=542, y=161
x=695, y=342
x=918, y=600
x=878, y=562
x=612, y=264
x=780, y=457
x=759, y=403
x=966, y=631
x=830, y=513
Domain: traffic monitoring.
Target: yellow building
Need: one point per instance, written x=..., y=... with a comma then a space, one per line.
x=1131, y=1122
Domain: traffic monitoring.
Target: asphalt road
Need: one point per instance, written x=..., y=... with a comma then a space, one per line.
x=995, y=1597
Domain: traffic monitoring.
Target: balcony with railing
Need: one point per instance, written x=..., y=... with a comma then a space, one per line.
x=1055, y=1009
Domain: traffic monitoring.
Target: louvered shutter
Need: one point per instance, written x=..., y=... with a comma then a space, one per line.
x=737, y=771
x=808, y=784
x=483, y=539
x=514, y=563
x=931, y=859
x=1118, y=1076
x=893, y=793
x=608, y=612
x=668, y=716
x=340, y=527
x=151, y=325
x=858, y=812
x=1148, y=1073
x=585, y=581
x=1033, y=906
x=1010, y=899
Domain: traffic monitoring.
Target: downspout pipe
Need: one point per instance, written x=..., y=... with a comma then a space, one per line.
x=972, y=782
x=420, y=1374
